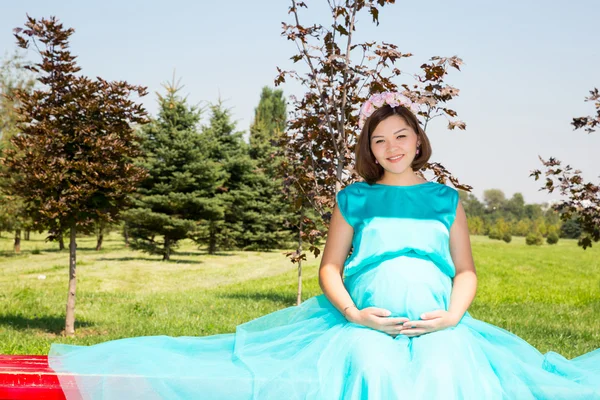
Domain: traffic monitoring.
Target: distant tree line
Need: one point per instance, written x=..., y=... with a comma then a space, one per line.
x=501, y=218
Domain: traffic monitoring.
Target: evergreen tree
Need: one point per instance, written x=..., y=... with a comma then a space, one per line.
x=226, y=147
x=180, y=187
x=269, y=124
x=571, y=229
x=272, y=211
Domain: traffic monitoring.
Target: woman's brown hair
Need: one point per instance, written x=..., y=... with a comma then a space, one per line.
x=365, y=165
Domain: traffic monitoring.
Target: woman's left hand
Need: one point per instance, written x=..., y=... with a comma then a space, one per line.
x=430, y=322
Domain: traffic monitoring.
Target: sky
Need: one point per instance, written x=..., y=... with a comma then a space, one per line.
x=528, y=66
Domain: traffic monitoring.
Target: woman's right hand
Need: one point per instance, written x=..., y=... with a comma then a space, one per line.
x=378, y=319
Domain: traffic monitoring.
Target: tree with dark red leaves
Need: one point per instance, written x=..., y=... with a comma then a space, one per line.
x=340, y=74
x=72, y=158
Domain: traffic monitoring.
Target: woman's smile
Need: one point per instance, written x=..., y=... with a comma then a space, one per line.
x=396, y=158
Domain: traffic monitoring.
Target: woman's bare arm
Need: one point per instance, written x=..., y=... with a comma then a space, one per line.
x=464, y=284
x=337, y=246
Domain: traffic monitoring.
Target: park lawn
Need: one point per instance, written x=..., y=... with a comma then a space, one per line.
x=547, y=295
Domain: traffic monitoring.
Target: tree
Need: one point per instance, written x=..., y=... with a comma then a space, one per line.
x=539, y=225
x=570, y=229
x=177, y=192
x=13, y=77
x=523, y=227
x=270, y=119
x=533, y=211
x=319, y=144
x=494, y=200
x=500, y=230
x=276, y=213
x=515, y=207
x=102, y=228
x=268, y=230
x=552, y=238
x=473, y=207
x=242, y=192
x=533, y=239
x=583, y=198
x=72, y=160
x=476, y=225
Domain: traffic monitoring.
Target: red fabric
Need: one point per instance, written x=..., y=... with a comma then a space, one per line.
x=26, y=377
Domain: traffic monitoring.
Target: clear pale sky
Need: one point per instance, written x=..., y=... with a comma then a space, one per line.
x=529, y=64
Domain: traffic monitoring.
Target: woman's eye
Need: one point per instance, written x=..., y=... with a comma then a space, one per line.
x=381, y=140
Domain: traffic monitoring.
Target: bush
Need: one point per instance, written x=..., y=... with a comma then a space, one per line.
x=570, y=229
x=552, y=238
x=507, y=237
x=494, y=234
x=533, y=238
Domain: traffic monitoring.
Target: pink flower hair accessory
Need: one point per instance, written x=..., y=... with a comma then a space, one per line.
x=394, y=99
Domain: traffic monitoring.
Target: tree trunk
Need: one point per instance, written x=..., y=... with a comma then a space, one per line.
x=70, y=320
x=299, y=297
x=212, y=239
x=167, y=250
x=17, y=246
x=61, y=243
x=100, y=239
x=126, y=235
x=27, y=234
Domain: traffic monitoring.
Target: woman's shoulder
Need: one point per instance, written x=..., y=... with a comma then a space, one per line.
x=360, y=186
x=355, y=186
x=429, y=189
x=443, y=187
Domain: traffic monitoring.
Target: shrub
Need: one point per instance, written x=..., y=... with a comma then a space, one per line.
x=494, y=234
x=570, y=229
x=552, y=238
x=533, y=238
x=507, y=237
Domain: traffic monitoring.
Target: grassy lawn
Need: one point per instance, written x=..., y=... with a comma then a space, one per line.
x=548, y=295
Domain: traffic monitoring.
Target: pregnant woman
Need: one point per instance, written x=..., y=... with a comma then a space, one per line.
x=392, y=321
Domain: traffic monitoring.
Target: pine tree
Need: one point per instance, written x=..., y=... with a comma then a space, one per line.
x=179, y=190
x=271, y=211
x=269, y=122
x=226, y=147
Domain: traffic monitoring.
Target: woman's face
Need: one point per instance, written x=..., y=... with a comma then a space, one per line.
x=394, y=137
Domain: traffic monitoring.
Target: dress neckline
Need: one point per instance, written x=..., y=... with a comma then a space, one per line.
x=401, y=186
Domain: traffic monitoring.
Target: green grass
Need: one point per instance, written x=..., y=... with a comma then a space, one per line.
x=548, y=295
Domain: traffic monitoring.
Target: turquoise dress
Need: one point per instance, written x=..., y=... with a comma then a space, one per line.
x=400, y=261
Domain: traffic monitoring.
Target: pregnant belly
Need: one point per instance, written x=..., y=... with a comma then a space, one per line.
x=407, y=286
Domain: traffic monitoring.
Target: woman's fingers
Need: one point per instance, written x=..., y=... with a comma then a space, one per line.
x=413, y=332
x=429, y=323
x=379, y=312
x=395, y=321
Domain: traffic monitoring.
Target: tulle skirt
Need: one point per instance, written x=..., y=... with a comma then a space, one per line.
x=312, y=352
